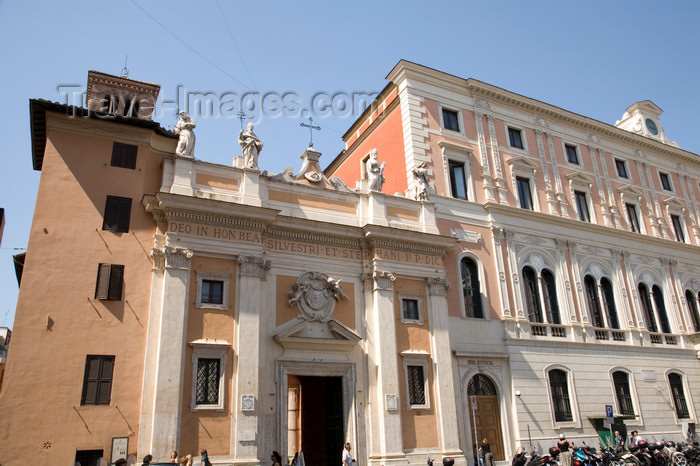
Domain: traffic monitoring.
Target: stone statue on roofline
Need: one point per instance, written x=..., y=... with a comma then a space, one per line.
x=375, y=172
x=185, y=129
x=420, y=178
x=251, y=146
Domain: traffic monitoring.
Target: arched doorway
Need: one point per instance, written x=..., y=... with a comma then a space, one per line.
x=483, y=414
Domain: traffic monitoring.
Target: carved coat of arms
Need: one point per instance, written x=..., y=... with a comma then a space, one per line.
x=315, y=294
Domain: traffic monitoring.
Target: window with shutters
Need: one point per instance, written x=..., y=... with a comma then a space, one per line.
x=584, y=213
x=110, y=279
x=117, y=214
x=692, y=303
x=97, y=381
x=416, y=379
x=208, y=369
x=124, y=155
x=678, y=228
x=633, y=218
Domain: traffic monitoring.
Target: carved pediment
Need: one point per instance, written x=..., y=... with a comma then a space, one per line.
x=579, y=178
x=310, y=334
x=672, y=203
x=629, y=192
x=522, y=163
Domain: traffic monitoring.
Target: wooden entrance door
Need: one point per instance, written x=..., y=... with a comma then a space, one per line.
x=485, y=417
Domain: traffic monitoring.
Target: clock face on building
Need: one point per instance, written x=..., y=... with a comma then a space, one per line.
x=651, y=126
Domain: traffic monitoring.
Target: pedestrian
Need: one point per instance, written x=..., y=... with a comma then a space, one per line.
x=619, y=442
x=186, y=460
x=147, y=460
x=485, y=449
x=565, y=448
x=276, y=458
x=347, y=457
x=205, y=457
x=634, y=440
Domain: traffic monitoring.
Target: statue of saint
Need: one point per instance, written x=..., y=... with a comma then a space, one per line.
x=185, y=128
x=375, y=172
x=420, y=177
x=251, y=146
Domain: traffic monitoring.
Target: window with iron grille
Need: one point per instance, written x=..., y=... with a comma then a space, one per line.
x=208, y=377
x=481, y=385
x=622, y=393
x=676, y=383
x=471, y=288
x=560, y=396
x=97, y=381
x=124, y=155
x=416, y=385
x=117, y=214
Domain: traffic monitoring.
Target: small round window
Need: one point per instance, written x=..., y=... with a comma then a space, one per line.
x=651, y=126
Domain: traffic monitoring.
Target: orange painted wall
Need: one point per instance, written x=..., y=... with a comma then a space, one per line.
x=387, y=138
x=56, y=297
x=419, y=427
x=208, y=429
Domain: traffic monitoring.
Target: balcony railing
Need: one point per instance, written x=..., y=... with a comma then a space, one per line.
x=552, y=330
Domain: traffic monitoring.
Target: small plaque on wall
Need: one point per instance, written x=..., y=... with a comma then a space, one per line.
x=120, y=448
x=392, y=403
x=247, y=403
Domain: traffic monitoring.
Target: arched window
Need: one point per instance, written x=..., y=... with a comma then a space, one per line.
x=658, y=296
x=471, y=288
x=593, y=301
x=609, y=303
x=481, y=385
x=693, y=309
x=675, y=381
x=623, y=393
x=532, y=295
x=550, y=297
x=647, y=307
x=559, y=386
x=601, y=305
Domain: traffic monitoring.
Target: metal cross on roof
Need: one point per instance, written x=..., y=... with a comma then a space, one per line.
x=311, y=128
x=242, y=116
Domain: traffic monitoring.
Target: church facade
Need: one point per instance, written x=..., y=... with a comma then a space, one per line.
x=498, y=268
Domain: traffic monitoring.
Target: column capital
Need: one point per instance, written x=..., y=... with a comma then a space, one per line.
x=254, y=266
x=378, y=280
x=437, y=286
x=171, y=258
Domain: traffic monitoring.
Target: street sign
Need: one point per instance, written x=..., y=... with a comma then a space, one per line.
x=473, y=402
x=609, y=414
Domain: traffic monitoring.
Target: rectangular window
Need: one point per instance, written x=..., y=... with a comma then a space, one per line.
x=582, y=205
x=633, y=218
x=450, y=119
x=410, y=310
x=524, y=193
x=110, y=278
x=572, y=154
x=678, y=228
x=621, y=168
x=97, y=382
x=212, y=292
x=208, y=376
x=124, y=155
x=665, y=181
x=117, y=214
x=416, y=385
x=515, y=136
x=458, y=180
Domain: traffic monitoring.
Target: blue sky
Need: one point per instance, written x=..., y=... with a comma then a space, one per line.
x=594, y=58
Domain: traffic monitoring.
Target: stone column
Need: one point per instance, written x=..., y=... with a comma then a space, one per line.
x=165, y=342
x=247, y=417
x=446, y=407
x=387, y=443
